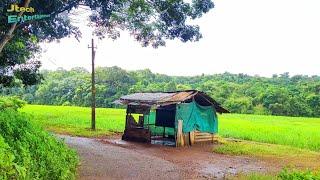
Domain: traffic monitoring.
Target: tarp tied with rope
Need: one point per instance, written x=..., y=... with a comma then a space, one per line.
x=197, y=117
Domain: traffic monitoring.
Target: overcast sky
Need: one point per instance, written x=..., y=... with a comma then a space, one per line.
x=262, y=37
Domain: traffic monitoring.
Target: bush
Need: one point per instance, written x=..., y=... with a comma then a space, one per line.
x=298, y=175
x=28, y=152
x=8, y=169
x=10, y=103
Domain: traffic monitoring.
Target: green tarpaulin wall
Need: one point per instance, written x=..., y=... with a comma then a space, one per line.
x=194, y=116
x=156, y=130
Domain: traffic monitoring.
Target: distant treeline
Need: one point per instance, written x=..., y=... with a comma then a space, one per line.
x=280, y=95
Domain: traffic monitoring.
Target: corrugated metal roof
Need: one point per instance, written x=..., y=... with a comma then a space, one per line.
x=166, y=98
x=147, y=97
x=178, y=97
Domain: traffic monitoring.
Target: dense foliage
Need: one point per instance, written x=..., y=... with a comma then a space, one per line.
x=28, y=152
x=19, y=43
x=10, y=103
x=280, y=95
x=149, y=22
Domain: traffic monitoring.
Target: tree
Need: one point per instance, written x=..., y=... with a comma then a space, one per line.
x=19, y=41
x=239, y=105
x=150, y=22
x=255, y=95
x=170, y=86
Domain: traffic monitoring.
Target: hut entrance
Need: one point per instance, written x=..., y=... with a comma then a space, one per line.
x=161, y=123
x=155, y=126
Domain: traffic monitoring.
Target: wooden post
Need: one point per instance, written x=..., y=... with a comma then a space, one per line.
x=180, y=138
x=213, y=138
x=192, y=138
x=93, y=88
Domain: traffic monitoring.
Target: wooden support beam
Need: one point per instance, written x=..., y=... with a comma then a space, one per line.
x=192, y=138
x=180, y=137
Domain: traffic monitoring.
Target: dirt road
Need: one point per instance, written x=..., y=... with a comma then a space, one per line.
x=116, y=159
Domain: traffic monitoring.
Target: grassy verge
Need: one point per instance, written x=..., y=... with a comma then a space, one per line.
x=254, y=176
x=285, y=174
x=280, y=154
x=76, y=121
x=29, y=152
x=302, y=164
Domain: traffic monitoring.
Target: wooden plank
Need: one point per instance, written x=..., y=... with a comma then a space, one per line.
x=204, y=134
x=203, y=137
x=180, y=138
x=186, y=139
x=203, y=140
x=210, y=137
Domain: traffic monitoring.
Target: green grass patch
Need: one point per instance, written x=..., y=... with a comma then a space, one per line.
x=76, y=121
x=291, y=156
x=293, y=131
x=237, y=147
x=254, y=176
x=285, y=174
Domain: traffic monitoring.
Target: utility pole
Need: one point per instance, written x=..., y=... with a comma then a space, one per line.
x=93, y=88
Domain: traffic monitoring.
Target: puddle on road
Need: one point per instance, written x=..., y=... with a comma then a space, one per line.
x=164, y=142
x=222, y=170
x=118, y=142
x=207, y=164
x=212, y=170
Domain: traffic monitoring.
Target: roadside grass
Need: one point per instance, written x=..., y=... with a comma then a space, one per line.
x=285, y=174
x=253, y=176
x=76, y=121
x=297, y=132
x=281, y=155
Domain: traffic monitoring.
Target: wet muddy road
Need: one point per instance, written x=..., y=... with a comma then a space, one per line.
x=116, y=159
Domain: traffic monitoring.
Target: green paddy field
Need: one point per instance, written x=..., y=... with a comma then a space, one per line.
x=299, y=132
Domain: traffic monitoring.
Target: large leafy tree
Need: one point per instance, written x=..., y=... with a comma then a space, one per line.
x=150, y=22
x=19, y=41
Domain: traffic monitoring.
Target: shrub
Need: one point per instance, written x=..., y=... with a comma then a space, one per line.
x=10, y=103
x=298, y=175
x=28, y=152
x=8, y=169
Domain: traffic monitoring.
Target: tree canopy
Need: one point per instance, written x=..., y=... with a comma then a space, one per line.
x=150, y=22
x=280, y=95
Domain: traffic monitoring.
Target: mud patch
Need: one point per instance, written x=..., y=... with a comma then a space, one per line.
x=113, y=158
x=199, y=161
